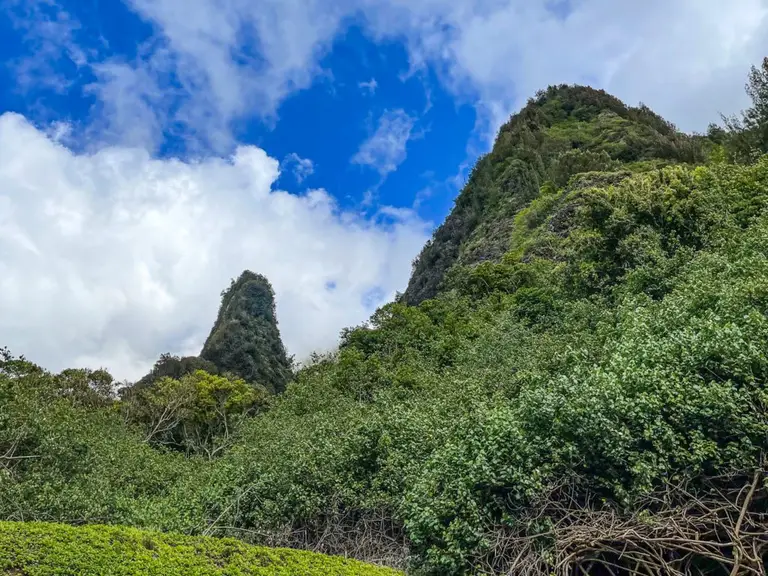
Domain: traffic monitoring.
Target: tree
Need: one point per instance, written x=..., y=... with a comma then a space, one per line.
x=91, y=388
x=757, y=88
x=197, y=414
x=174, y=367
x=749, y=134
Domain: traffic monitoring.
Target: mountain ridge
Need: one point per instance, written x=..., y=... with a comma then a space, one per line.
x=563, y=130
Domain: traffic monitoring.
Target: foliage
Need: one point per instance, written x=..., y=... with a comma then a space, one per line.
x=588, y=354
x=667, y=387
x=633, y=354
x=65, y=460
x=171, y=366
x=578, y=161
x=200, y=413
x=38, y=549
x=564, y=131
x=245, y=340
x=747, y=137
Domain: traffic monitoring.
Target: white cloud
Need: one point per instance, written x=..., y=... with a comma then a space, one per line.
x=235, y=58
x=368, y=87
x=385, y=149
x=302, y=168
x=49, y=34
x=132, y=107
x=113, y=257
x=687, y=59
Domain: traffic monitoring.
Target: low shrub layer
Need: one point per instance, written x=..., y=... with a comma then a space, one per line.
x=42, y=549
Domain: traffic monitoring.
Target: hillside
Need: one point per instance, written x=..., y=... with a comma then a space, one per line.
x=37, y=549
x=563, y=131
x=245, y=340
x=575, y=381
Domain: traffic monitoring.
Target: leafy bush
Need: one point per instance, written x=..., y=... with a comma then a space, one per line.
x=38, y=549
x=198, y=414
x=68, y=461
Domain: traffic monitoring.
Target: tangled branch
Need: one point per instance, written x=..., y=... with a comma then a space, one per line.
x=715, y=526
x=372, y=536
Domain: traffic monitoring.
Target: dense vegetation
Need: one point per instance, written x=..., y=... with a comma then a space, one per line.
x=245, y=340
x=33, y=549
x=575, y=380
x=565, y=130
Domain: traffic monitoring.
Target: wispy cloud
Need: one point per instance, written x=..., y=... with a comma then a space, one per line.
x=687, y=60
x=369, y=87
x=385, y=149
x=49, y=33
x=301, y=168
x=235, y=59
x=209, y=64
x=230, y=59
x=132, y=109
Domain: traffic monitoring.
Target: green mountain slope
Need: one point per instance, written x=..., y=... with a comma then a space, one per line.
x=39, y=549
x=617, y=350
x=245, y=340
x=565, y=130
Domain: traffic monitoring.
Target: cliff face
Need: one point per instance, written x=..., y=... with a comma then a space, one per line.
x=564, y=131
x=245, y=339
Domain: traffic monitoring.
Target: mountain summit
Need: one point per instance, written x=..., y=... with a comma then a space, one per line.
x=245, y=339
x=563, y=131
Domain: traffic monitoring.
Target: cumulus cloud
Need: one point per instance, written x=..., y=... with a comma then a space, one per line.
x=113, y=257
x=385, y=149
x=301, y=168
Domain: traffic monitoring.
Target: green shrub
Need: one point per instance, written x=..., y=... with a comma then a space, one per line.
x=200, y=413
x=40, y=549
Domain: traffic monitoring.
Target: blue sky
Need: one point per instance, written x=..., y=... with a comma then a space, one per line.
x=150, y=150
x=320, y=128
